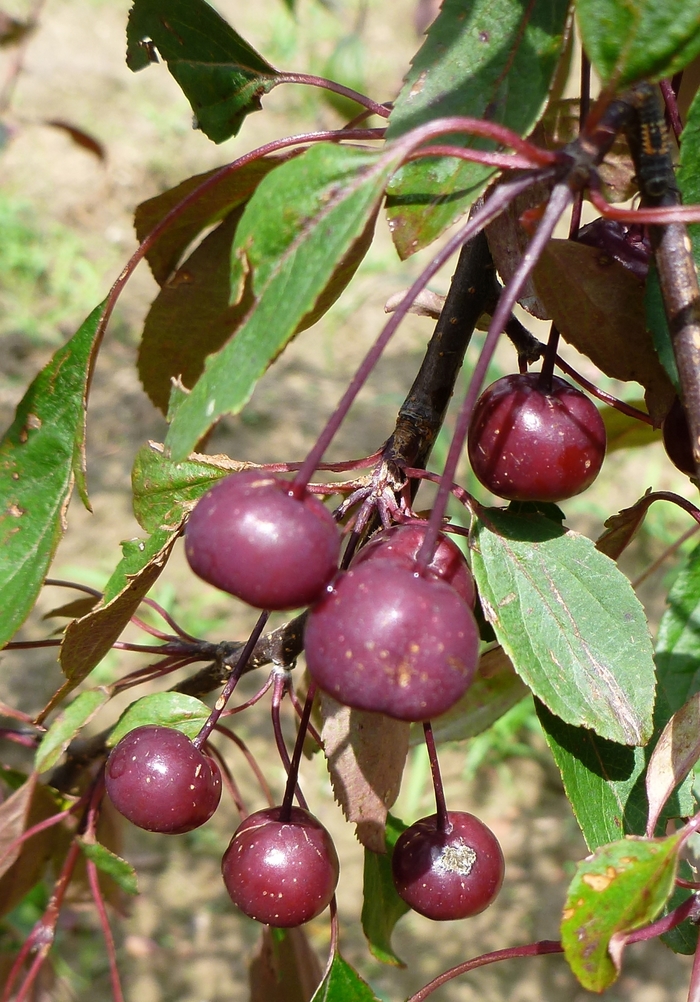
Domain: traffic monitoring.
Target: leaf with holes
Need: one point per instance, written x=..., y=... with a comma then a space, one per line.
x=220, y=74
x=569, y=621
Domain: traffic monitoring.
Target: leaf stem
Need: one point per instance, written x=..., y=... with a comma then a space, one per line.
x=325, y=84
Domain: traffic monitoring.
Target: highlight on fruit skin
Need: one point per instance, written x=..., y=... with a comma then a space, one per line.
x=528, y=444
x=250, y=537
x=158, y=780
x=281, y=872
x=450, y=874
x=384, y=639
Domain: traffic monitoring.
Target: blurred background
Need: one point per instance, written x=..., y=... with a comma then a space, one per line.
x=82, y=142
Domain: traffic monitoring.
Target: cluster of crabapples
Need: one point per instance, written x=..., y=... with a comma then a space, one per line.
x=384, y=635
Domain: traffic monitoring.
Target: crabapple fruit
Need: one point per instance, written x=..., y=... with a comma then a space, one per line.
x=252, y=538
x=529, y=444
x=387, y=640
x=282, y=873
x=160, y=781
x=449, y=874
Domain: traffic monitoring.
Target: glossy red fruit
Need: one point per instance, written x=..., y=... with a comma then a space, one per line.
x=451, y=874
x=677, y=439
x=529, y=445
x=386, y=640
x=157, y=779
x=282, y=873
x=402, y=542
x=250, y=537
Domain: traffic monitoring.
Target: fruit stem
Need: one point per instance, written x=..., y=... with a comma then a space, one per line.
x=442, y=819
x=500, y=199
x=278, y=691
x=529, y=950
x=233, y=678
x=559, y=201
x=286, y=809
x=544, y=383
x=96, y=891
x=694, y=986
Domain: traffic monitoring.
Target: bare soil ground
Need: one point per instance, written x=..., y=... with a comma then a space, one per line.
x=182, y=941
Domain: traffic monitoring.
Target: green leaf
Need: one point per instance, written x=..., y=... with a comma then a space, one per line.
x=381, y=905
x=342, y=983
x=658, y=325
x=163, y=709
x=190, y=317
x=639, y=40
x=165, y=492
x=493, y=59
x=625, y=432
x=622, y=887
x=41, y=456
x=220, y=74
x=495, y=690
x=121, y=872
x=603, y=780
x=303, y=235
x=688, y=176
x=678, y=642
x=87, y=640
x=67, y=725
x=233, y=190
x=569, y=621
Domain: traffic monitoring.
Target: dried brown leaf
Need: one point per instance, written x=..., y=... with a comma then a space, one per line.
x=285, y=967
x=599, y=308
x=366, y=754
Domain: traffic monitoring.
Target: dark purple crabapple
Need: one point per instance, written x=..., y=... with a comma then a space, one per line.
x=281, y=873
x=449, y=874
x=529, y=444
x=252, y=538
x=402, y=543
x=157, y=779
x=387, y=640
